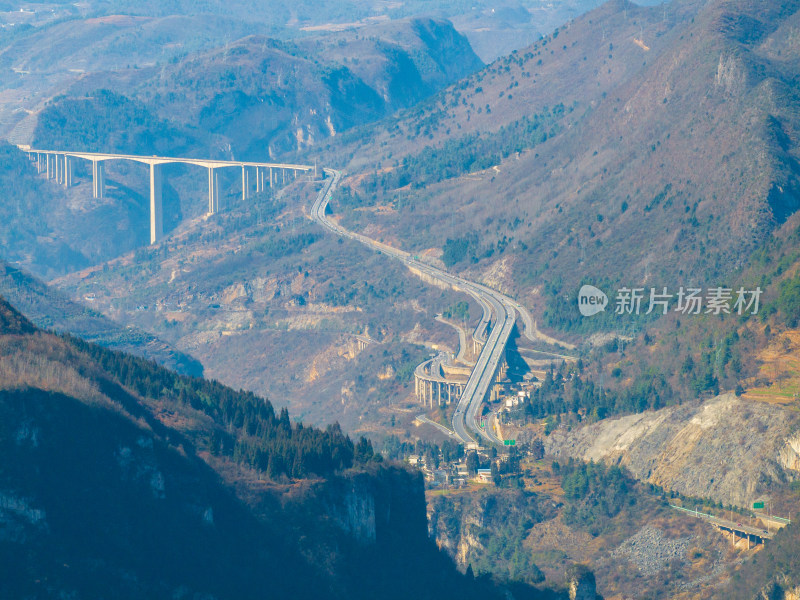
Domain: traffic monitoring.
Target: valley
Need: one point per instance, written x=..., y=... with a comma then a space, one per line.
x=377, y=222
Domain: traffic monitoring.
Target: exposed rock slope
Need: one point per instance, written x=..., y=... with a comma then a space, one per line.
x=728, y=449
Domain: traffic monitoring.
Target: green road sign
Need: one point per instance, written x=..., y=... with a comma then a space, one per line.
x=758, y=505
x=510, y=442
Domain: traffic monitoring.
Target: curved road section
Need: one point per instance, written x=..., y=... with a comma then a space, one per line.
x=503, y=308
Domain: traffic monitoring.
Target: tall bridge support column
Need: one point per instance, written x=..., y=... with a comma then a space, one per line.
x=39, y=163
x=213, y=191
x=245, y=183
x=270, y=177
x=98, y=179
x=59, y=168
x=49, y=165
x=156, y=205
x=67, y=171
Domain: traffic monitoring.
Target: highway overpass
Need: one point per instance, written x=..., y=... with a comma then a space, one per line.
x=747, y=531
x=495, y=305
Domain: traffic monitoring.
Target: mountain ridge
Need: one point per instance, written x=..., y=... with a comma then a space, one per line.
x=52, y=310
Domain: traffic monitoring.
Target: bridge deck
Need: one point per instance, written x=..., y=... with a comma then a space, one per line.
x=735, y=526
x=161, y=160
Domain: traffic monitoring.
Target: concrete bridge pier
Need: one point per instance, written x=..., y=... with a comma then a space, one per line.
x=67, y=171
x=98, y=179
x=156, y=204
x=261, y=186
x=58, y=168
x=270, y=177
x=245, y=183
x=213, y=191
x=39, y=163
x=427, y=393
x=421, y=390
x=503, y=369
x=50, y=167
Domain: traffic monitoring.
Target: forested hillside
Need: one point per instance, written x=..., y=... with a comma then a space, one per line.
x=110, y=122
x=114, y=479
x=260, y=97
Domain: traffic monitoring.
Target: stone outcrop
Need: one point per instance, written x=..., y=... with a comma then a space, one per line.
x=581, y=583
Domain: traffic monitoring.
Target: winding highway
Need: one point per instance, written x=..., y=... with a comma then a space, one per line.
x=504, y=310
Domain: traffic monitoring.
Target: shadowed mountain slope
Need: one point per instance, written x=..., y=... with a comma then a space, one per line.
x=119, y=477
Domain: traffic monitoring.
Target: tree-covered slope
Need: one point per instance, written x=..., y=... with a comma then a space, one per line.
x=118, y=477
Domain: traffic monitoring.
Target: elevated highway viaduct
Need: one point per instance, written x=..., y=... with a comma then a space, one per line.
x=496, y=306
x=489, y=340
x=58, y=165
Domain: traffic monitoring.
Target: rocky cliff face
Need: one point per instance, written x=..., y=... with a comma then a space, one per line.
x=581, y=583
x=728, y=449
x=789, y=456
x=486, y=529
x=779, y=590
x=372, y=508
